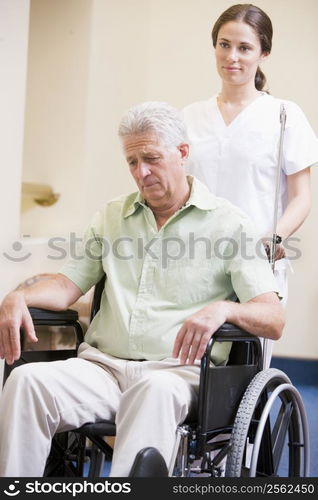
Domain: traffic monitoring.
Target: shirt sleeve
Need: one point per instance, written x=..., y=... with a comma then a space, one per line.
x=300, y=141
x=247, y=264
x=85, y=269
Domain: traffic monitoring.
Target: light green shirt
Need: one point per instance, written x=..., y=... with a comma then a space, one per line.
x=157, y=279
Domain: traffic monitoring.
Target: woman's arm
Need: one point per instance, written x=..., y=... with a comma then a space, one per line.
x=299, y=203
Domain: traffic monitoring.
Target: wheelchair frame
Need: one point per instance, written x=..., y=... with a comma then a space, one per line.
x=245, y=414
x=236, y=402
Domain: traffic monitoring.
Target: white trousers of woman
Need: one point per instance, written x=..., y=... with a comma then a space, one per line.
x=147, y=399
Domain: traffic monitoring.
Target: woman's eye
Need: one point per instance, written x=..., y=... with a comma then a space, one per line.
x=244, y=49
x=224, y=45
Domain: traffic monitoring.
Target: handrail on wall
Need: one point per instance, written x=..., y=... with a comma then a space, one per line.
x=42, y=194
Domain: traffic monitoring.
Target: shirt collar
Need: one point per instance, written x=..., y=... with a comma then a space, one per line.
x=200, y=197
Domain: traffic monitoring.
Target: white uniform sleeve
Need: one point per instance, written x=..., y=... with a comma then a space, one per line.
x=300, y=141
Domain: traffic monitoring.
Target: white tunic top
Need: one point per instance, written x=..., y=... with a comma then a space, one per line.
x=239, y=161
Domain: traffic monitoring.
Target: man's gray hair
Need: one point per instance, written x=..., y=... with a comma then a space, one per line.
x=159, y=118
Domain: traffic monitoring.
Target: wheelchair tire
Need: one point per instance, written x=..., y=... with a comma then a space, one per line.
x=258, y=422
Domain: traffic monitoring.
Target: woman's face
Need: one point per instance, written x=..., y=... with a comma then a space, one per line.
x=238, y=53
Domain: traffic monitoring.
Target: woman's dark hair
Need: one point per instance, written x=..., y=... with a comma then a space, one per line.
x=258, y=20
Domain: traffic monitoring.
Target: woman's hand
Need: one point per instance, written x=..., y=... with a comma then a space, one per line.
x=280, y=250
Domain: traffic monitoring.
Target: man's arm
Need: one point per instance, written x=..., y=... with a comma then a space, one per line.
x=56, y=294
x=262, y=316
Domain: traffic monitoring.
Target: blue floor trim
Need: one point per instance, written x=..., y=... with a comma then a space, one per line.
x=300, y=371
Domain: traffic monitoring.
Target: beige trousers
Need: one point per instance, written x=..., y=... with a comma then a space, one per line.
x=147, y=399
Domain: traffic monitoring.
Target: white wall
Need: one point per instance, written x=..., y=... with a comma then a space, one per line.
x=14, y=23
x=82, y=54
x=89, y=60
x=56, y=112
x=118, y=67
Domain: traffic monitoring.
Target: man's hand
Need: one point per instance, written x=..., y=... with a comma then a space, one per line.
x=14, y=314
x=196, y=331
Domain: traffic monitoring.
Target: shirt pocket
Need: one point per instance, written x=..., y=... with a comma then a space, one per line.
x=186, y=284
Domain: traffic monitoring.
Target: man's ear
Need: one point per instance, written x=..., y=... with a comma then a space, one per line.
x=184, y=150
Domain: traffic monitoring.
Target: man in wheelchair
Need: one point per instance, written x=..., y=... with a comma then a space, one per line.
x=176, y=259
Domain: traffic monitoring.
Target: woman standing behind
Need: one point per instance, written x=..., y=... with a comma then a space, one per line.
x=235, y=135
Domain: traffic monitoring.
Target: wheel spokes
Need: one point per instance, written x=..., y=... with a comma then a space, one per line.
x=279, y=433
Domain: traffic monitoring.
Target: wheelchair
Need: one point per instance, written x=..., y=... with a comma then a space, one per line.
x=250, y=419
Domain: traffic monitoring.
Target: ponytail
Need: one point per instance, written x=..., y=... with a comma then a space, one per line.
x=260, y=79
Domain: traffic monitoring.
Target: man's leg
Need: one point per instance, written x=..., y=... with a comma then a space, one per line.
x=150, y=411
x=40, y=399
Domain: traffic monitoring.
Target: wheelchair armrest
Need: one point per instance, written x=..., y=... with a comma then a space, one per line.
x=45, y=317
x=69, y=317
x=228, y=330
x=232, y=333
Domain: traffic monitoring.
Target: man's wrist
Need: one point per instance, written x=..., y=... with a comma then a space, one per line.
x=230, y=311
x=12, y=299
x=21, y=295
x=227, y=310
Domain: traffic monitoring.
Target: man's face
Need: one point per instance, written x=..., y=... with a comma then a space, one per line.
x=157, y=169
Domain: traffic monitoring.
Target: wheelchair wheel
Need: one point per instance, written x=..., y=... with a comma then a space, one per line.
x=270, y=429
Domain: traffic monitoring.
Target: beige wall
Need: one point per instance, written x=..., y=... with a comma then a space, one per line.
x=14, y=24
x=82, y=54
x=89, y=60
x=56, y=111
